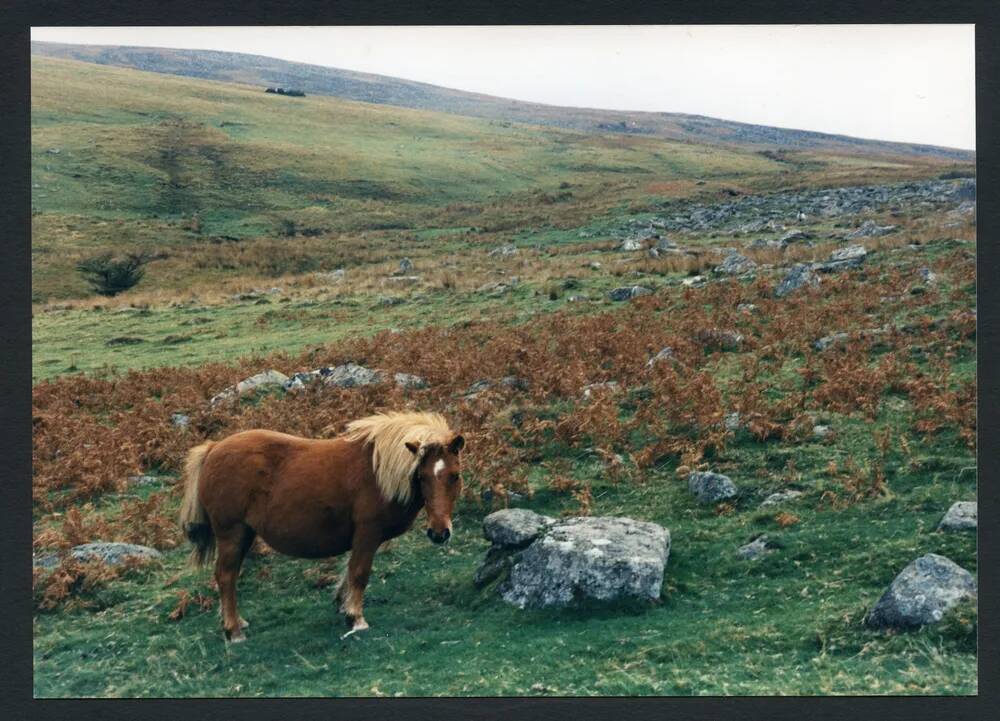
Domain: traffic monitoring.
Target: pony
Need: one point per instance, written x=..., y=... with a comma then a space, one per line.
x=317, y=498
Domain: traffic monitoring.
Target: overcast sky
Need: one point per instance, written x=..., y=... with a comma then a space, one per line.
x=912, y=83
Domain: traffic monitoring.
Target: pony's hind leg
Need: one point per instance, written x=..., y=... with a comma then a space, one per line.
x=232, y=545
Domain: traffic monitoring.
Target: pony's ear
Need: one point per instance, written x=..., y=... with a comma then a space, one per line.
x=457, y=443
x=414, y=448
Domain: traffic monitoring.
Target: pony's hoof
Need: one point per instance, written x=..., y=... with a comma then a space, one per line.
x=244, y=623
x=237, y=637
x=360, y=625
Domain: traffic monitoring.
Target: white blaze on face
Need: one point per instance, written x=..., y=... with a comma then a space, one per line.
x=438, y=467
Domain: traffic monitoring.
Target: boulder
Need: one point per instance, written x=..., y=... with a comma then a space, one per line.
x=630, y=244
x=267, y=379
x=409, y=381
x=599, y=558
x=628, y=292
x=711, y=487
x=962, y=516
x=799, y=276
x=922, y=593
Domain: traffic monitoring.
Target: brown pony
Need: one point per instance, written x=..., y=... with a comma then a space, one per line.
x=319, y=498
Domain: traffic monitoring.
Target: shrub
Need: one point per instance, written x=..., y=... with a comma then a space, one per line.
x=110, y=276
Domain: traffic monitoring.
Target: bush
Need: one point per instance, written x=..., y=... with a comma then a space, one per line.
x=110, y=276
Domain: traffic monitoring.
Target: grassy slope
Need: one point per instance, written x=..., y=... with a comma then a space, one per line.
x=787, y=624
x=123, y=159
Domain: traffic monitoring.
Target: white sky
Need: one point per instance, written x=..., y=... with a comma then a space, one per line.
x=911, y=83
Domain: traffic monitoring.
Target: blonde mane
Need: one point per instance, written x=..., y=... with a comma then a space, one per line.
x=393, y=462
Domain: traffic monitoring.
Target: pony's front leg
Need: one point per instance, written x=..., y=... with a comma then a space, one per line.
x=359, y=569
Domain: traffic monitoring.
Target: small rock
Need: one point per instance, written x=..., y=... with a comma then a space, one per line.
x=628, y=292
x=267, y=379
x=694, y=281
x=868, y=229
x=409, y=381
x=754, y=550
x=514, y=527
x=405, y=266
x=665, y=354
x=590, y=389
x=799, y=276
x=821, y=432
x=351, y=375
x=630, y=244
x=143, y=480
x=834, y=339
x=735, y=264
x=711, y=487
x=928, y=276
x=922, y=593
x=114, y=554
x=962, y=516
x=776, y=499
x=728, y=340
x=180, y=420
x=733, y=422
x=333, y=277
x=746, y=308
x=795, y=235
x=503, y=251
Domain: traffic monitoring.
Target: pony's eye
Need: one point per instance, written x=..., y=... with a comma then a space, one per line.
x=454, y=478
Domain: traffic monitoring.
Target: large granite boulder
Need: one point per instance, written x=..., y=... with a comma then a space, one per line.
x=922, y=593
x=599, y=558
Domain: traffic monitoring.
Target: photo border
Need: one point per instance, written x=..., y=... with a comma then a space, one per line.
x=15, y=292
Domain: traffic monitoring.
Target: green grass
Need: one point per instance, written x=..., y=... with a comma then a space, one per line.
x=787, y=624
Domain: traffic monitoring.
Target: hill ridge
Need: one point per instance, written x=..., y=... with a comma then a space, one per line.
x=385, y=90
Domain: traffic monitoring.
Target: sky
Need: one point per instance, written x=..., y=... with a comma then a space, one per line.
x=908, y=83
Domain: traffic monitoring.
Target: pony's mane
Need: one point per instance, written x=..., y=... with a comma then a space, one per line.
x=394, y=463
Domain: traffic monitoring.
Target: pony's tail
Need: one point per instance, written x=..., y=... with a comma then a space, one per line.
x=193, y=519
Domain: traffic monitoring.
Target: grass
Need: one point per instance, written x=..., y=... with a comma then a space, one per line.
x=787, y=624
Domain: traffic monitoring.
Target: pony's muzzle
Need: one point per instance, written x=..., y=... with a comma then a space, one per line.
x=439, y=537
